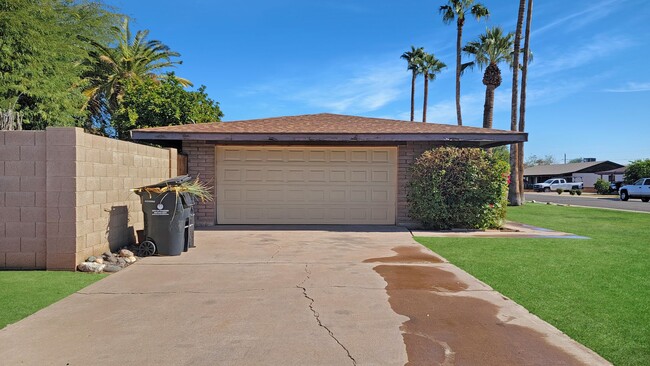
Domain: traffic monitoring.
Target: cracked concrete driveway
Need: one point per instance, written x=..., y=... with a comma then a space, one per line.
x=290, y=296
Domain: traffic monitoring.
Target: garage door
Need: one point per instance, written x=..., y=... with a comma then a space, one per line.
x=306, y=185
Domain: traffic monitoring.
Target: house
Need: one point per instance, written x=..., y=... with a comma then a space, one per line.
x=587, y=172
x=613, y=175
x=311, y=169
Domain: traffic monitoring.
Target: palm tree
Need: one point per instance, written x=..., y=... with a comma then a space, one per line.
x=429, y=67
x=522, y=102
x=132, y=58
x=491, y=49
x=412, y=58
x=515, y=191
x=457, y=9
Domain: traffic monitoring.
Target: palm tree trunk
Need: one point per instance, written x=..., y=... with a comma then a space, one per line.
x=488, y=107
x=459, y=38
x=522, y=103
x=413, y=96
x=426, y=96
x=514, y=191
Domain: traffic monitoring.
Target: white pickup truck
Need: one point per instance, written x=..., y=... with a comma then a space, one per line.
x=554, y=184
x=640, y=189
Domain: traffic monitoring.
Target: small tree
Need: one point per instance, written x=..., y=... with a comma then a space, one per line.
x=601, y=186
x=636, y=170
x=458, y=188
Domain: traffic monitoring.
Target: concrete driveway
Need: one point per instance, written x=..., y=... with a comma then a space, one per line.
x=290, y=296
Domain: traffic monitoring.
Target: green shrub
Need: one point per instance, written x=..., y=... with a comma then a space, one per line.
x=636, y=170
x=559, y=190
x=602, y=186
x=458, y=188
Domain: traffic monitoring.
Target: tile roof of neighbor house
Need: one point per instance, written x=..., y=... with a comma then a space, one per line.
x=561, y=169
x=323, y=123
x=330, y=128
x=620, y=170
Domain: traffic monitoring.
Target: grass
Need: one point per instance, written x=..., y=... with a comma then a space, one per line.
x=597, y=291
x=25, y=292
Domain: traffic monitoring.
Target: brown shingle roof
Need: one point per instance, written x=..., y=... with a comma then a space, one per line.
x=323, y=123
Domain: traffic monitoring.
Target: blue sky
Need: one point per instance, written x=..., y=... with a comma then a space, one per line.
x=589, y=84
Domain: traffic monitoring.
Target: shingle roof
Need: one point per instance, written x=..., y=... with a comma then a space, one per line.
x=323, y=123
x=561, y=169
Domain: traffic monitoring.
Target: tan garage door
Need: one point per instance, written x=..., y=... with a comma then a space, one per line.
x=306, y=185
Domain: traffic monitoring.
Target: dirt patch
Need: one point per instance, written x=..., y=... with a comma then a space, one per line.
x=407, y=254
x=458, y=330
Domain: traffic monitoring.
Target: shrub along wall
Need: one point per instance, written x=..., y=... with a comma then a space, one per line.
x=458, y=188
x=64, y=195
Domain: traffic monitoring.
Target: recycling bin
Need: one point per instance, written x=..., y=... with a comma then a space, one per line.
x=168, y=218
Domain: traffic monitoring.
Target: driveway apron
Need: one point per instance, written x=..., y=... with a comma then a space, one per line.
x=305, y=295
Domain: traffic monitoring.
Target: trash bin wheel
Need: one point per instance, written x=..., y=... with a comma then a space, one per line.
x=146, y=248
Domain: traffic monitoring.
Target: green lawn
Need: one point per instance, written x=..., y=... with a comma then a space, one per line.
x=23, y=293
x=597, y=290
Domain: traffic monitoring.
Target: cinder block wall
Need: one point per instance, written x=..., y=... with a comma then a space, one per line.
x=22, y=199
x=201, y=164
x=64, y=195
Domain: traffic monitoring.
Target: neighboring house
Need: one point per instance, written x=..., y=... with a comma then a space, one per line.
x=614, y=175
x=311, y=169
x=587, y=172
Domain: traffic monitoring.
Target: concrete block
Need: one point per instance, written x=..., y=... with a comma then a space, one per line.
x=106, y=184
x=19, y=199
x=61, y=184
x=84, y=198
x=20, y=260
x=61, y=245
x=21, y=230
x=99, y=197
x=20, y=168
x=93, y=211
x=36, y=245
x=67, y=229
x=2, y=260
x=92, y=156
x=9, y=153
x=32, y=153
x=41, y=260
x=61, y=261
x=9, y=214
x=32, y=214
x=65, y=168
x=99, y=170
x=93, y=183
x=2, y=229
x=61, y=136
x=41, y=229
x=20, y=138
x=9, y=245
x=40, y=168
x=32, y=184
x=80, y=213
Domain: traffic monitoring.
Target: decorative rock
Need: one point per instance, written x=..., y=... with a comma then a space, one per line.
x=91, y=259
x=91, y=267
x=99, y=260
x=112, y=268
x=533, y=201
x=131, y=259
x=125, y=253
x=121, y=262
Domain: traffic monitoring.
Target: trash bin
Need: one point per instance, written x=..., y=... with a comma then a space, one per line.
x=168, y=217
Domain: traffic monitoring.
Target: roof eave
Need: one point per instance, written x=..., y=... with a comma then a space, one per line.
x=480, y=139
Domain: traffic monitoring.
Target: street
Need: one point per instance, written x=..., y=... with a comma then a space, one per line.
x=590, y=200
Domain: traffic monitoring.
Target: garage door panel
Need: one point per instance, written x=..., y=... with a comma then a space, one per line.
x=306, y=185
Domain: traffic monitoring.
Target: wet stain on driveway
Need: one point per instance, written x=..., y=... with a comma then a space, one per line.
x=447, y=328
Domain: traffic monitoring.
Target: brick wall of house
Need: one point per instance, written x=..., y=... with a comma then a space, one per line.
x=407, y=153
x=64, y=195
x=201, y=164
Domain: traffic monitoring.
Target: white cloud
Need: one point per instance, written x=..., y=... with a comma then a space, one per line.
x=631, y=87
x=581, y=18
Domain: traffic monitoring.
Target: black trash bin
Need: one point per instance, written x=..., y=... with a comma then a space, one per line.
x=168, y=219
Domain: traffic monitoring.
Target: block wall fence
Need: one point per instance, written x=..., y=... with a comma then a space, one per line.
x=65, y=195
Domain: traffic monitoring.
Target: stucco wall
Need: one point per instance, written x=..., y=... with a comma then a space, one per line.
x=64, y=195
x=201, y=163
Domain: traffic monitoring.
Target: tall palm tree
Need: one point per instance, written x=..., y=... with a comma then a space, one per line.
x=515, y=190
x=412, y=58
x=131, y=58
x=429, y=67
x=491, y=49
x=457, y=9
x=522, y=101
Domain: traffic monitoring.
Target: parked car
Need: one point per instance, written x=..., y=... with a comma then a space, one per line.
x=554, y=184
x=614, y=187
x=639, y=189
